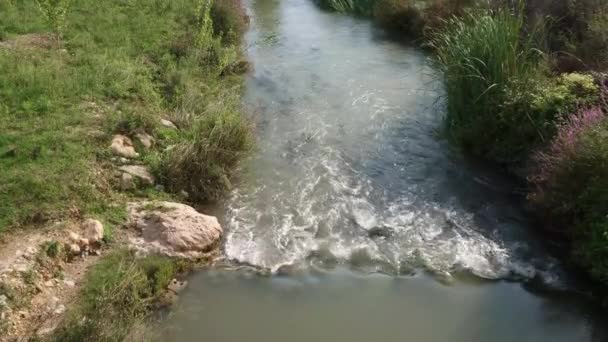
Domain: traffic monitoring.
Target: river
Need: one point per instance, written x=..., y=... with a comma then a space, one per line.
x=355, y=221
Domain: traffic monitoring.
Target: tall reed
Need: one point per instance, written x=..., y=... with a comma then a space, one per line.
x=481, y=54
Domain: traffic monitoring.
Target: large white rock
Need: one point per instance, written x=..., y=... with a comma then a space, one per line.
x=140, y=172
x=174, y=229
x=123, y=146
x=93, y=230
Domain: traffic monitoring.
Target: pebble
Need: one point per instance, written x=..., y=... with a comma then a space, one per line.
x=69, y=283
x=3, y=301
x=49, y=283
x=60, y=309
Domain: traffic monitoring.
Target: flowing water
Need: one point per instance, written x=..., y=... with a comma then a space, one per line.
x=365, y=223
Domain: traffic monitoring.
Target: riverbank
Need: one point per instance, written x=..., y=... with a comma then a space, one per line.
x=525, y=90
x=104, y=104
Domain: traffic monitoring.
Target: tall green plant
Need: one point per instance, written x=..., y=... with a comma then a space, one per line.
x=55, y=12
x=481, y=54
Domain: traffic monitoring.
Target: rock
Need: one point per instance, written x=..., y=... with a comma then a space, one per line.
x=3, y=302
x=123, y=146
x=60, y=309
x=22, y=314
x=73, y=237
x=177, y=286
x=140, y=172
x=83, y=243
x=145, y=139
x=69, y=283
x=93, y=230
x=74, y=249
x=168, y=124
x=49, y=283
x=174, y=229
x=31, y=250
x=127, y=182
x=96, y=252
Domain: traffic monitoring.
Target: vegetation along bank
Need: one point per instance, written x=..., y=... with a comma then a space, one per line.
x=526, y=88
x=105, y=103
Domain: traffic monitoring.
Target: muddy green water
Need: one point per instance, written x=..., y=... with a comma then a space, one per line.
x=364, y=223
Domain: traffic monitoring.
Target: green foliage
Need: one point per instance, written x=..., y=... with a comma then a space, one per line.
x=481, y=55
x=203, y=160
x=52, y=249
x=229, y=20
x=575, y=190
x=565, y=94
x=55, y=12
x=531, y=110
x=399, y=15
x=119, y=293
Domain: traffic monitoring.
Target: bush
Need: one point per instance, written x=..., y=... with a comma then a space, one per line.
x=360, y=7
x=119, y=293
x=570, y=184
x=481, y=54
x=399, y=15
x=532, y=109
x=55, y=12
x=229, y=20
x=202, y=163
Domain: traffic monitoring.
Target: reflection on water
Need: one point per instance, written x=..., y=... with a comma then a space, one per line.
x=232, y=306
x=351, y=175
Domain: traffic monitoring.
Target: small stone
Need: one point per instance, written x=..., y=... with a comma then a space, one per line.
x=60, y=309
x=159, y=187
x=145, y=139
x=123, y=146
x=49, y=283
x=18, y=253
x=168, y=124
x=96, y=252
x=74, y=249
x=22, y=314
x=31, y=250
x=20, y=268
x=69, y=283
x=184, y=194
x=93, y=230
x=3, y=302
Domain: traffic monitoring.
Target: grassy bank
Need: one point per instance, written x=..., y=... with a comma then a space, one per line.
x=525, y=89
x=77, y=73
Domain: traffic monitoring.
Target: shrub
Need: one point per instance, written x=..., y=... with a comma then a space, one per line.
x=570, y=183
x=119, y=293
x=574, y=158
x=481, y=54
x=202, y=163
x=532, y=109
x=229, y=20
x=399, y=15
x=55, y=12
x=360, y=7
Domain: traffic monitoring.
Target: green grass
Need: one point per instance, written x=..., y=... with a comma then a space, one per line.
x=120, y=292
x=481, y=56
x=119, y=67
